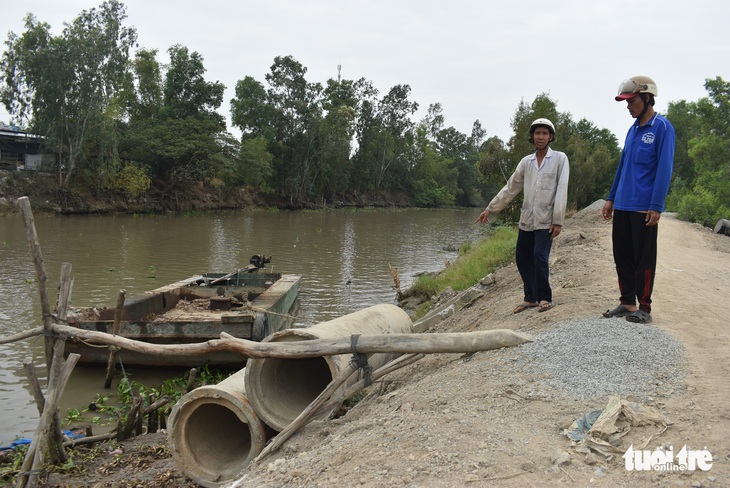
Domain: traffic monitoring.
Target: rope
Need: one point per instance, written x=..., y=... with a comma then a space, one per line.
x=360, y=361
x=263, y=310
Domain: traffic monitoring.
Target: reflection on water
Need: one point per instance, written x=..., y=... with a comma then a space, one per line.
x=343, y=258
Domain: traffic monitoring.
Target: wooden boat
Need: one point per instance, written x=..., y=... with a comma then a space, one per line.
x=249, y=303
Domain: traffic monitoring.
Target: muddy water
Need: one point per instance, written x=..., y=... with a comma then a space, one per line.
x=342, y=255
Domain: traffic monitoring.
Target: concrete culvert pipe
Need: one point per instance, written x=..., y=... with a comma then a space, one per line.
x=280, y=389
x=214, y=433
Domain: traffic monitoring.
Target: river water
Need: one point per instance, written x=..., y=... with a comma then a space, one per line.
x=342, y=255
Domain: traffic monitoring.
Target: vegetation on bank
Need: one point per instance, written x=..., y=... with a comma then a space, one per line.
x=111, y=409
x=475, y=261
x=124, y=125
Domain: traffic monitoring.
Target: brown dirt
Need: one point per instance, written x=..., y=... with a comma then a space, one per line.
x=453, y=420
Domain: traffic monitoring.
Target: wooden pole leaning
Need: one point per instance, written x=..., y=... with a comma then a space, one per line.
x=35, y=249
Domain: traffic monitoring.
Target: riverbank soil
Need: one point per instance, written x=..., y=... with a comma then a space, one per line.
x=487, y=419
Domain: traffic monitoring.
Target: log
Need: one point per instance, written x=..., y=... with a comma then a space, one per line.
x=453, y=342
x=161, y=402
x=90, y=439
x=26, y=334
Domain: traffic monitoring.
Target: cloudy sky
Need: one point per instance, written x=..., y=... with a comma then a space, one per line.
x=477, y=58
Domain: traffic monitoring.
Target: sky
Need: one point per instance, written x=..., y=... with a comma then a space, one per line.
x=478, y=59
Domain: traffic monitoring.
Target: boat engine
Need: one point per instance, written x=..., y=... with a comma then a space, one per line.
x=259, y=260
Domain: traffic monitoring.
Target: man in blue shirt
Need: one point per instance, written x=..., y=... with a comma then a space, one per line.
x=637, y=198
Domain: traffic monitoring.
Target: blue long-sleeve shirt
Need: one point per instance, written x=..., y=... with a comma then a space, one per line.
x=645, y=169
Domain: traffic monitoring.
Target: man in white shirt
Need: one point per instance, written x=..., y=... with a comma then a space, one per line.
x=543, y=175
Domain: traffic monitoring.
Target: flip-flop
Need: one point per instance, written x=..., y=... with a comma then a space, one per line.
x=639, y=317
x=523, y=306
x=544, y=307
x=620, y=311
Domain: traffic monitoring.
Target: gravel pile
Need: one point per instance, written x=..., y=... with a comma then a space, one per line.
x=594, y=357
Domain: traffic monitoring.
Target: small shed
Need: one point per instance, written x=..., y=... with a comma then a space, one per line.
x=20, y=150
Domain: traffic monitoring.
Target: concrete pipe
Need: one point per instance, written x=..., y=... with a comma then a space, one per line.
x=214, y=433
x=280, y=389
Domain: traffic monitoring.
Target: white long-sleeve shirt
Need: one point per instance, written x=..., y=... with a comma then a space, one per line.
x=545, y=190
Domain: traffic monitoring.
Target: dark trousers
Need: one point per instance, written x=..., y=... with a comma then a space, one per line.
x=533, y=262
x=634, y=252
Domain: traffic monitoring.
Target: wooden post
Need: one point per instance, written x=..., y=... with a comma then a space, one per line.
x=35, y=387
x=395, y=364
x=35, y=249
x=111, y=365
x=44, y=441
x=64, y=292
x=191, y=380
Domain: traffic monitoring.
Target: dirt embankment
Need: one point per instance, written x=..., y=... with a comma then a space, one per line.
x=47, y=197
x=484, y=420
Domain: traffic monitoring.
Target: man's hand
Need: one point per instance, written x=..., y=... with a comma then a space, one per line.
x=607, y=210
x=652, y=217
x=483, y=217
x=555, y=231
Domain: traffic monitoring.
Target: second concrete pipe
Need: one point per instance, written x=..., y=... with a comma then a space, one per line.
x=214, y=433
x=280, y=389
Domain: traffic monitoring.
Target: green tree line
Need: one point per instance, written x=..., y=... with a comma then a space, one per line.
x=119, y=121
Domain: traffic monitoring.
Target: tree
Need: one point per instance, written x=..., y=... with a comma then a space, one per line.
x=186, y=93
x=174, y=128
x=297, y=112
x=435, y=182
x=700, y=192
x=251, y=110
x=66, y=86
x=386, y=150
x=145, y=102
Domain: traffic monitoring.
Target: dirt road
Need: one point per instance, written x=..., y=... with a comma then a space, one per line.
x=454, y=421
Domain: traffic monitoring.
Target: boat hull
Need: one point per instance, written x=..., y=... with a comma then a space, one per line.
x=198, y=309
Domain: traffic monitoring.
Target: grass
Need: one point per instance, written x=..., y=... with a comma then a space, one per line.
x=475, y=261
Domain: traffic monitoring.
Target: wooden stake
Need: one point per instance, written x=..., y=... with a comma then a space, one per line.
x=394, y=365
x=191, y=380
x=45, y=442
x=321, y=403
x=64, y=291
x=111, y=364
x=35, y=249
x=35, y=387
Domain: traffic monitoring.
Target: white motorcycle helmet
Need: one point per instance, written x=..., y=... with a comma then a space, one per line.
x=542, y=122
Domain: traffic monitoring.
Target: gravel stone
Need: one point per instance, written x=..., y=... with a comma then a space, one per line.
x=594, y=357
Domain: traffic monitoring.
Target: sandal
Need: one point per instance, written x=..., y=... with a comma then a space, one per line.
x=620, y=311
x=639, y=317
x=524, y=306
x=545, y=306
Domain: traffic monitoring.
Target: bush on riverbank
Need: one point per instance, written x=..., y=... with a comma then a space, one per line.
x=475, y=261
